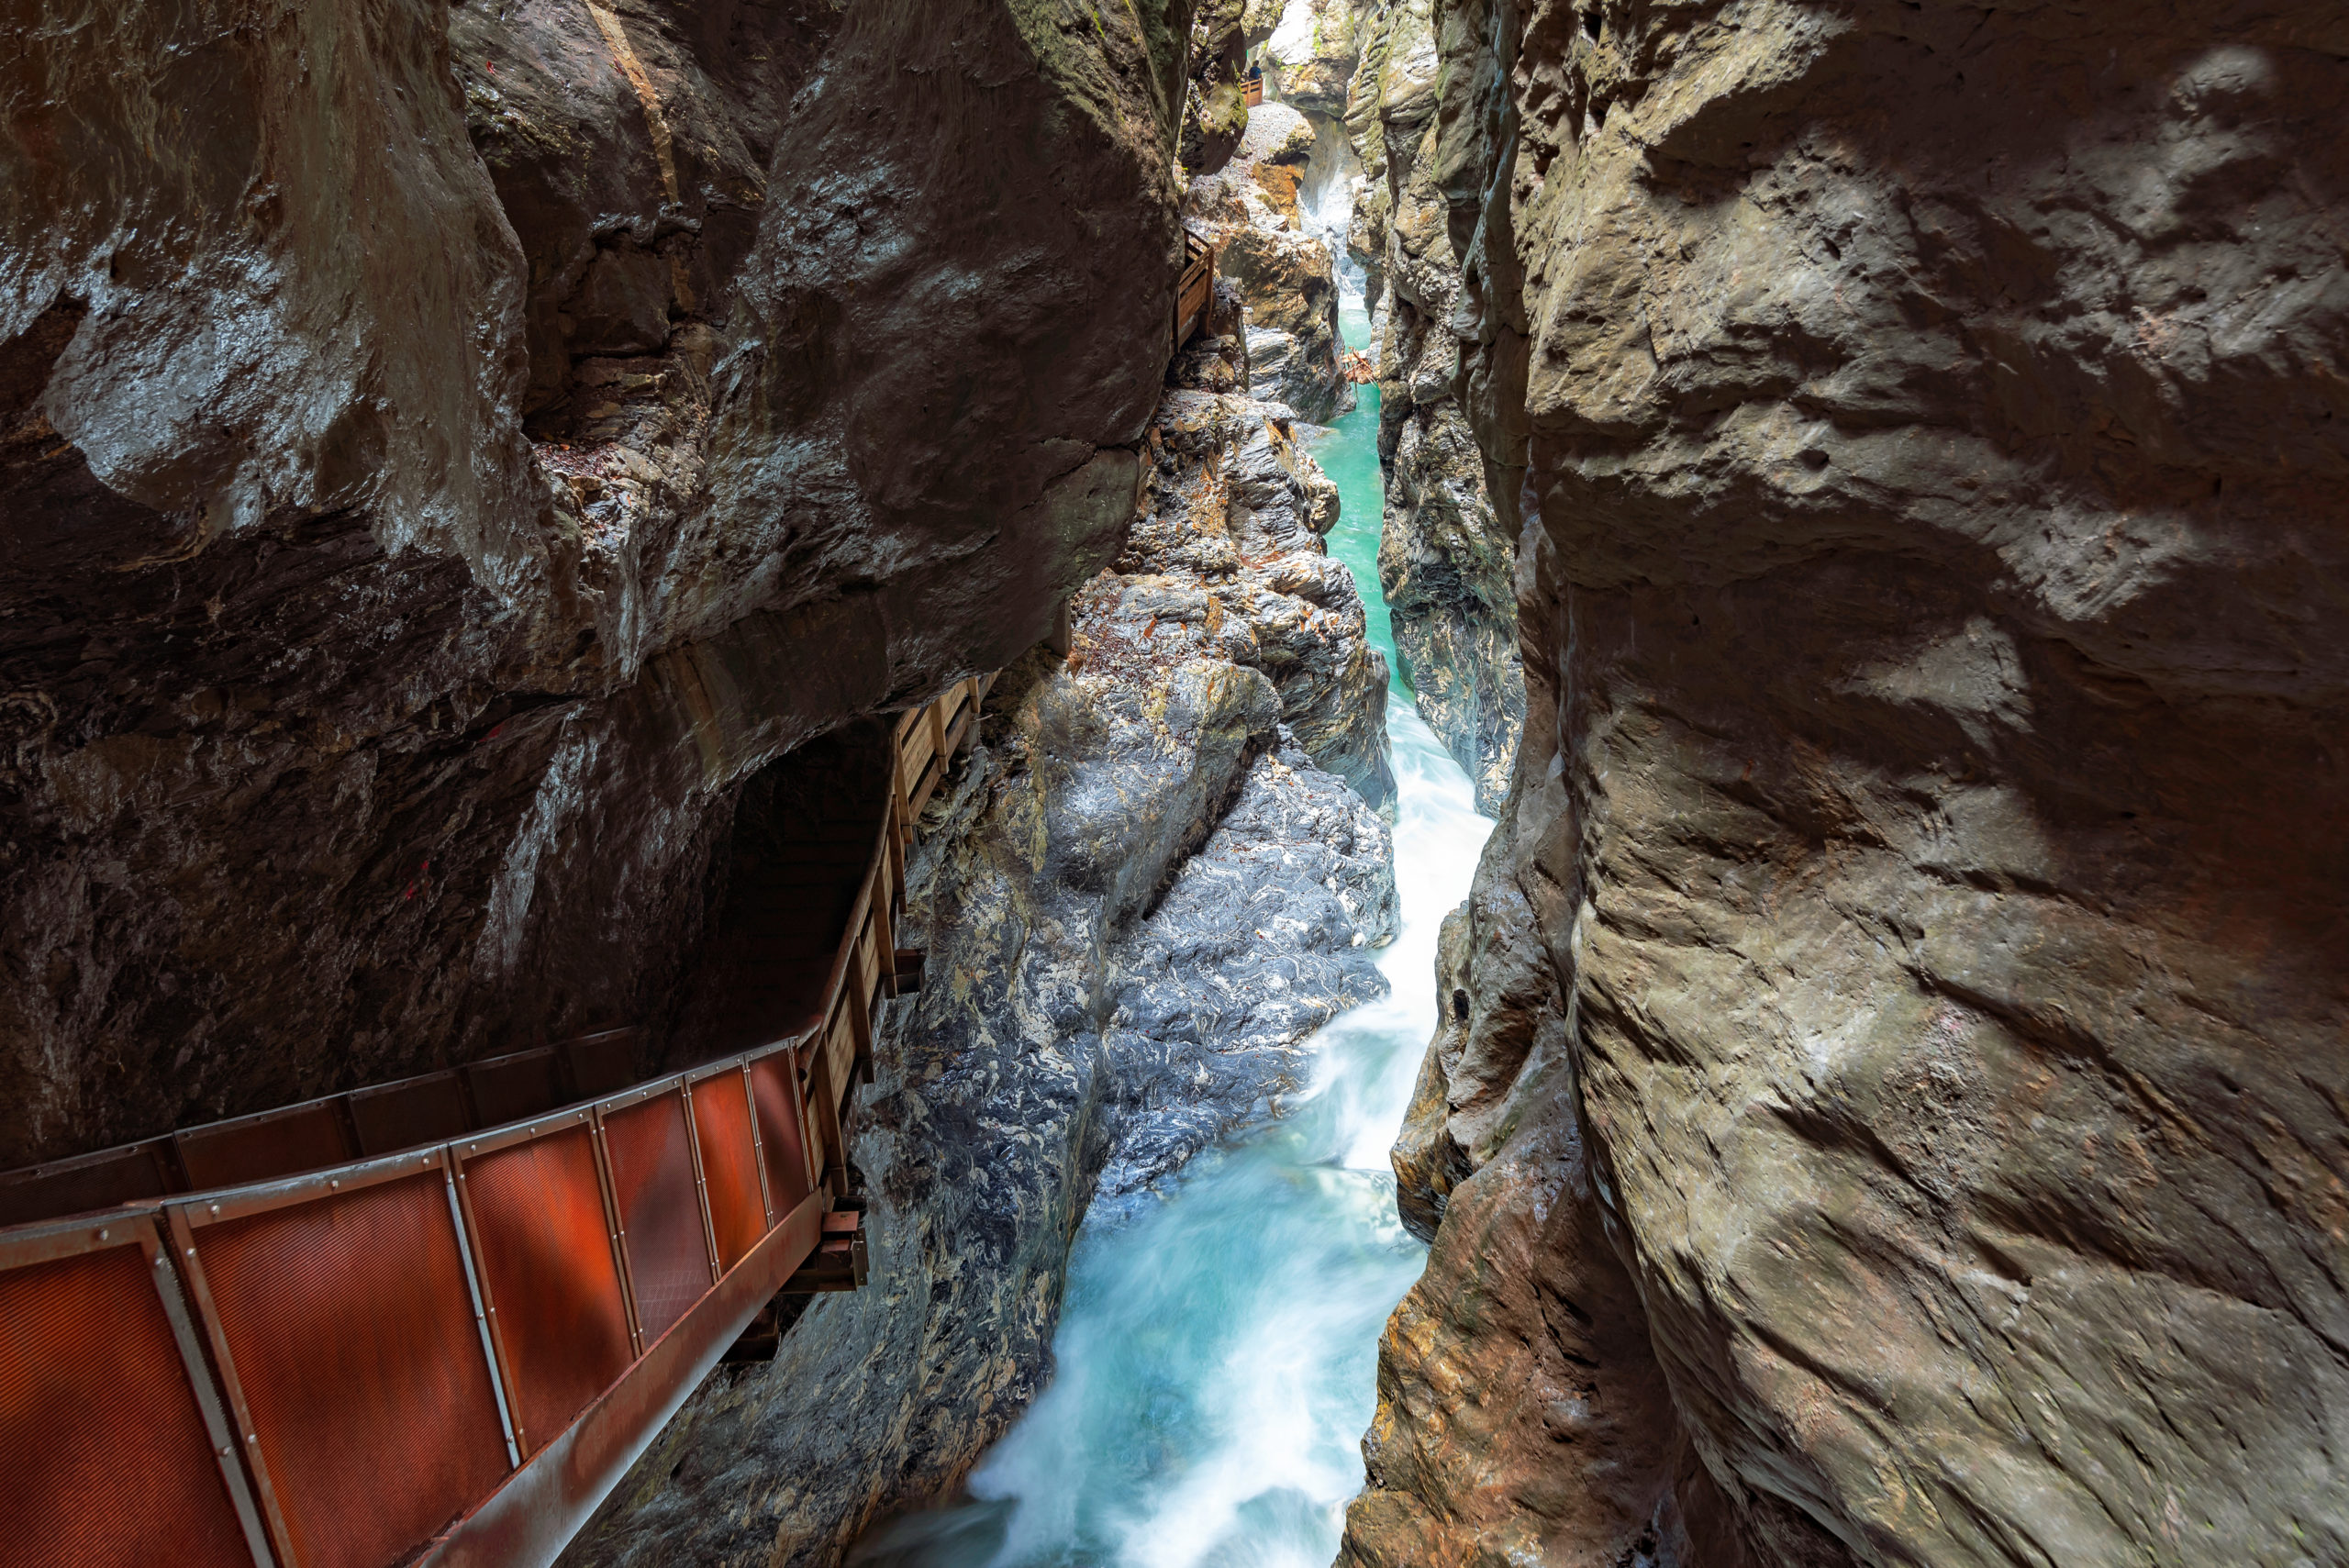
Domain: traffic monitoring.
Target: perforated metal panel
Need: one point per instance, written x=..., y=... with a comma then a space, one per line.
x=603, y=1063
x=410, y=1113
x=546, y=1268
x=350, y=1324
x=730, y=1165
x=102, y=1445
x=72, y=1186
x=652, y=1177
x=515, y=1087
x=774, y=1094
x=277, y=1143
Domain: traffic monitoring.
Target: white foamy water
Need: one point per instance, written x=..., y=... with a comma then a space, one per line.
x=1216, y=1353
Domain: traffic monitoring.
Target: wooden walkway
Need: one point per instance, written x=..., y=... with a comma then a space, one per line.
x=436, y=1320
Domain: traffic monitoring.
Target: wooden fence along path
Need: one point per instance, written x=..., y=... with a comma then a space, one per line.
x=436, y=1319
x=1198, y=287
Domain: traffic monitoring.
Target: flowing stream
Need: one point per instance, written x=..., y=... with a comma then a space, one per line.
x=1217, y=1351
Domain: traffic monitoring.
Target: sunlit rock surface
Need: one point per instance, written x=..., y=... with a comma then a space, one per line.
x=469, y=441
x=1287, y=277
x=1452, y=523
x=1226, y=559
x=1909, y=980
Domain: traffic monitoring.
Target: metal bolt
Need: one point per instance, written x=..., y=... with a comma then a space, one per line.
x=216, y=1209
x=102, y=1235
x=333, y=1184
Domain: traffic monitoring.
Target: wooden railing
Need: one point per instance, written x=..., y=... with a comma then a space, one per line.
x=1196, y=290
x=433, y=1320
x=1255, y=91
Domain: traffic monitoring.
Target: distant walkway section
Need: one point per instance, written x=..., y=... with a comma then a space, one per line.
x=436, y=1320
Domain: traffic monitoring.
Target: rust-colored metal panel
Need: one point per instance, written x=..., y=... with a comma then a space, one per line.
x=660, y=1218
x=515, y=1087
x=307, y=1137
x=775, y=1094
x=350, y=1339
x=410, y=1113
x=547, y=1269
x=730, y=1169
x=603, y=1063
x=102, y=1442
x=131, y=1173
x=539, y=1509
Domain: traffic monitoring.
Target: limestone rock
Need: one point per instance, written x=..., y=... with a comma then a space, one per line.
x=1928, y=806
x=1313, y=54
x=1139, y=903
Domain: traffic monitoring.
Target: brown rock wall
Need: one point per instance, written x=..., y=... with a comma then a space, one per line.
x=1929, y=803
x=448, y=448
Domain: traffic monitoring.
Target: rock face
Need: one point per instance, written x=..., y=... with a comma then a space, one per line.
x=1287, y=278
x=1139, y=902
x=478, y=438
x=1227, y=561
x=1444, y=555
x=1907, y=988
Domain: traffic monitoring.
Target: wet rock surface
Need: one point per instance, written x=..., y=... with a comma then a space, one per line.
x=1287, y=277
x=1226, y=561
x=475, y=441
x=1446, y=545
x=1142, y=896
x=1907, y=983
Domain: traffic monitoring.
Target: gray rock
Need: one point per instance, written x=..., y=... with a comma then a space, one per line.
x=1449, y=528
x=1139, y=903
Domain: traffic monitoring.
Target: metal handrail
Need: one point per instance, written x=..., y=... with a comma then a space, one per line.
x=488, y=1338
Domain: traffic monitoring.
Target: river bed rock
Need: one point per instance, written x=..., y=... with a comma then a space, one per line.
x=1908, y=984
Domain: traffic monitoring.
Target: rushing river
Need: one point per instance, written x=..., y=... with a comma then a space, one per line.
x=1217, y=1351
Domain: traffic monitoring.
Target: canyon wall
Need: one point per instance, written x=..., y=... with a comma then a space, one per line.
x=1891, y=1102
x=1137, y=902
x=448, y=447
x=1450, y=526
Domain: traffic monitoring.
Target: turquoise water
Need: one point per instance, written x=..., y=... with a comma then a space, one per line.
x=1216, y=1353
x=1349, y=454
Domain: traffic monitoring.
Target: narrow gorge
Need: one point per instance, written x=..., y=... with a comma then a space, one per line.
x=1273, y=783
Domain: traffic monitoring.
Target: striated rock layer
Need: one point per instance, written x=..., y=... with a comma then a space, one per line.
x=473, y=439
x=1893, y=1105
x=1141, y=900
x=1450, y=524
